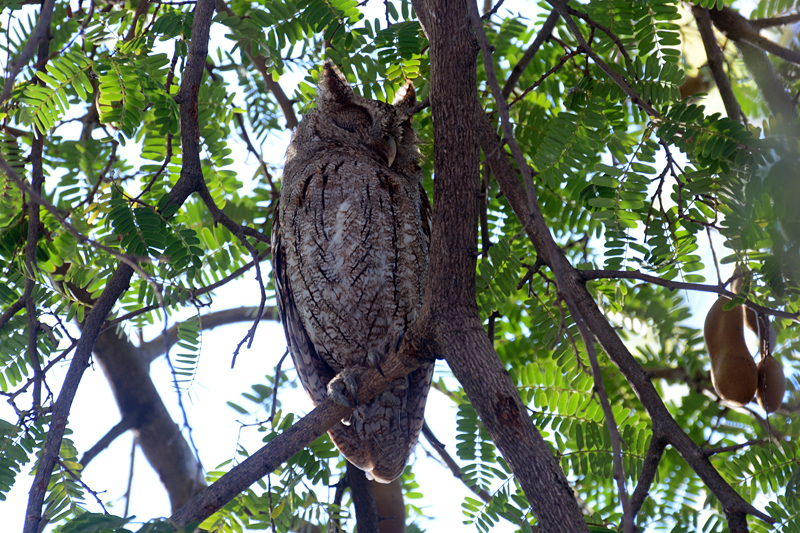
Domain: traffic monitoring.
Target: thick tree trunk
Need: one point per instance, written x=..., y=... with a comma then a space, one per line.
x=391, y=506
x=450, y=308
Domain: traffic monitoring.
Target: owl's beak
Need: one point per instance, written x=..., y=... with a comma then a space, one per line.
x=389, y=149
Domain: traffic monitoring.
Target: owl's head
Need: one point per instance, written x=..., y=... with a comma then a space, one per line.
x=382, y=131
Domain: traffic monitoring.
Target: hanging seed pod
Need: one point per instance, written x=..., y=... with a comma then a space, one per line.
x=733, y=371
x=771, y=384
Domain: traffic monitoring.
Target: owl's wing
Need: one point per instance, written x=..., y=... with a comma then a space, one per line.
x=312, y=369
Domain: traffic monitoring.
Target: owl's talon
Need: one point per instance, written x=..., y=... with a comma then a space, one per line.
x=399, y=340
x=345, y=380
x=375, y=360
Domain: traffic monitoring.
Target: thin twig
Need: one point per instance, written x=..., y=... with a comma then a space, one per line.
x=127, y=422
x=714, y=256
x=241, y=232
x=492, y=11
x=708, y=452
x=419, y=107
x=39, y=33
x=111, y=160
x=784, y=20
x=623, y=84
x=452, y=465
x=274, y=407
x=45, y=370
x=587, y=275
x=130, y=480
x=9, y=313
x=77, y=478
x=541, y=37
x=252, y=149
x=594, y=24
x=555, y=68
x=195, y=293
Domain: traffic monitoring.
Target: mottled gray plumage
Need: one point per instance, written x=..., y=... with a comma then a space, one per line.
x=350, y=252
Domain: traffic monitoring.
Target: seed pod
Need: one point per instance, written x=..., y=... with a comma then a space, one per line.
x=733, y=371
x=771, y=384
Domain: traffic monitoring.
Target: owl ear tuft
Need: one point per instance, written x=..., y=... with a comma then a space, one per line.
x=406, y=96
x=333, y=85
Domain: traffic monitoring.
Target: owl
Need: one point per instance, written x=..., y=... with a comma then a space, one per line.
x=350, y=249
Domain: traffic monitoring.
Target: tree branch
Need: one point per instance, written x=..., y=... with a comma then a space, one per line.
x=541, y=37
x=752, y=46
x=588, y=275
x=391, y=507
x=363, y=499
x=9, y=313
x=191, y=176
x=141, y=8
x=761, y=24
x=301, y=434
x=738, y=28
x=32, y=241
x=599, y=387
x=40, y=32
x=714, y=56
x=143, y=410
x=708, y=452
x=647, y=475
x=449, y=308
x=128, y=421
x=150, y=350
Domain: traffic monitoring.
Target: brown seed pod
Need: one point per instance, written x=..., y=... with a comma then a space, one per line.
x=733, y=371
x=771, y=384
x=771, y=380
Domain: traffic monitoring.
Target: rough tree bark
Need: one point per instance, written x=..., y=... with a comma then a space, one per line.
x=450, y=312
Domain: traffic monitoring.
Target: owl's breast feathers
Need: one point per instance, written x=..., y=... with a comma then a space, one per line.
x=350, y=250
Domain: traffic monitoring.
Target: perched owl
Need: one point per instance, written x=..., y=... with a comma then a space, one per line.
x=350, y=252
